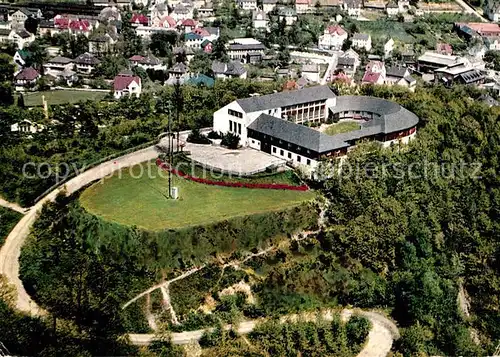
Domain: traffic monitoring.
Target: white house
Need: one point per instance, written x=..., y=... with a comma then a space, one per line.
x=260, y=19
x=59, y=64
x=492, y=43
x=26, y=77
x=269, y=5
x=127, y=85
x=26, y=126
x=148, y=62
x=400, y=76
x=353, y=7
x=362, y=40
x=247, y=4
x=233, y=69
x=21, y=38
x=240, y=48
x=388, y=48
x=333, y=37
x=310, y=72
x=288, y=14
x=375, y=73
x=392, y=9
x=302, y=6
x=86, y=63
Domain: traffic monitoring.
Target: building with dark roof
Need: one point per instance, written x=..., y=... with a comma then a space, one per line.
x=279, y=123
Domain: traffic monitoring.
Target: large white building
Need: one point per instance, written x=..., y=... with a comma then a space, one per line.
x=333, y=37
x=277, y=123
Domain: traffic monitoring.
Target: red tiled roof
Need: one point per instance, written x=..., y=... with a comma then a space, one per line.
x=61, y=23
x=201, y=31
x=370, y=77
x=302, y=2
x=122, y=82
x=336, y=29
x=139, y=19
x=290, y=85
x=80, y=25
x=482, y=27
x=170, y=20
x=189, y=22
x=27, y=74
x=136, y=58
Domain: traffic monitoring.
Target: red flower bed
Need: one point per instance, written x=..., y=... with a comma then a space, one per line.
x=269, y=186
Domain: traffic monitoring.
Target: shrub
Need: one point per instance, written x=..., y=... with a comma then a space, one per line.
x=214, y=135
x=230, y=140
x=197, y=138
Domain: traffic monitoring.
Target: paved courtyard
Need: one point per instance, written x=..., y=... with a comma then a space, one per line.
x=244, y=161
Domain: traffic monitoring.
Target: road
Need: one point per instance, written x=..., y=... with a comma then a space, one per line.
x=380, y=337
x=331, y=67
x=11, y=250
x=470, y=10
x=12, y=206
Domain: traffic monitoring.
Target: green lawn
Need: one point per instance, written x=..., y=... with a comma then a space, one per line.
x=8, y=219
x=343, y=127
x=57, y=97
x=142, y=202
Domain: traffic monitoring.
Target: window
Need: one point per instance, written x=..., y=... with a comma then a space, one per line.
x=234, y=113
x=308, y=162
x=282, y=153
x=253, y=141
x=239, y=128
x=298, y=158
x=274, y=150
x=289, y=155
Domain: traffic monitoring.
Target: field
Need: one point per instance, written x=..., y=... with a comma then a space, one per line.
x=8, y=219
x=140, y=200
x=343, y=127
x=57, y=97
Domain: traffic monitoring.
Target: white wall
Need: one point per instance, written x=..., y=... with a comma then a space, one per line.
x=294, y=157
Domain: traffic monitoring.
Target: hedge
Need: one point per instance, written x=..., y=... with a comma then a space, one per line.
x=269, y=186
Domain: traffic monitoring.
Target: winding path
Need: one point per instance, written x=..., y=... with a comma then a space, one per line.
x=380, y=337
x=11, y=250
x=12, y=206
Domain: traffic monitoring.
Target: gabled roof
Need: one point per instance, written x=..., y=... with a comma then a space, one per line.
x=24, y=54
x=60, y=60
x=23, y=34
x=87, y=59
x=188, y=22
x=192, y=36
x=296, y=134
x=179, y=68
x=336, y=30
x=284, y=99
x=201, y=79
x=27, y=74
x=139, y=19
x=201, y=31
x=396, y=71
x=361, y=36
x=392, y=4
x=122, y=82
x=346, y=61
x=371, y=77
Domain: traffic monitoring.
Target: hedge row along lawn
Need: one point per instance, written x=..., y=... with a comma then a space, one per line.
x=133, y=199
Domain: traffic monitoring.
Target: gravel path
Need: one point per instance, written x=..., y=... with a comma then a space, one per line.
x=12, y=206
x=11, y=250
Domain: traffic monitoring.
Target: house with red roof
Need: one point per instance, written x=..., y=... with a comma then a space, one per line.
x=302, y=6
x=188, y=25
x=139, y=19
x=333, y=37
x=147, y=62
x=374, y=73
x=444, y=49
x=26, y=77
x=164, y=21
x=127, y=85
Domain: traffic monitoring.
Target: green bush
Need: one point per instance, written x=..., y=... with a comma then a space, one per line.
x=214, y=135
x=198, y=138
x=230, y=140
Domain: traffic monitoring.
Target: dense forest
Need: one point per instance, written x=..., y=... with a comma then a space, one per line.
x=410, y=230
x=8, y=220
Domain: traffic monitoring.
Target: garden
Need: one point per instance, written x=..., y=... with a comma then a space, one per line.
x=58, y=97
x=343, y=127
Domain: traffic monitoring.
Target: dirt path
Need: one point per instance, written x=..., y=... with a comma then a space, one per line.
x=12, y=206
x=379, y=342
x=11, y=250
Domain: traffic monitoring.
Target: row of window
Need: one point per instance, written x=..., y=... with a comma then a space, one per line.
x=235, y=113
x=299, y=158
x=234, y=127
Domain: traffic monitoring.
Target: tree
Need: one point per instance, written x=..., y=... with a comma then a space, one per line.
x=7, y=68
x=201, y=63
x=219, y=51
x=20, y=101
x=161, y=43
x=31, y=25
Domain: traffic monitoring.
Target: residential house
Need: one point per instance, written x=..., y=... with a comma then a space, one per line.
x=311, y=72
x=260, y=19
x=21, y=38
x=239, y=48
x=353, y=54
x=392, y=9
x=362, y=40
x=58, y=64
x=206, y=11
x=182, y=12
x=388, y=48
x=400, y=76
x=247, y=4
x=208, y=33
x=492, y=10
x=26, y=126
x=333, y=37
x=125, y=85
x=158, y=10
x=80, y=27
x=147, y=62
x=201, y=80
x=86, y=63
x=19, y=17
x=302, y=6
x=110, y=14
x=193, y=40
x=288, y=15
x=254, y=57
x=489, y=100
x=188, y=25
x=101, y=44
x=139, y=19
x=207, y=46
x=269, y=5
x=178, y=71
x=444, y=49
x=26, y=77
x=352, y=7
x=4, y=35
x=346, y=64
x=47, y=28
x=492, y=43
x=375, y=73
x=147, y=31
x=165, y=22
x=232, y=69
x=404, y=5
x=21, y=57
